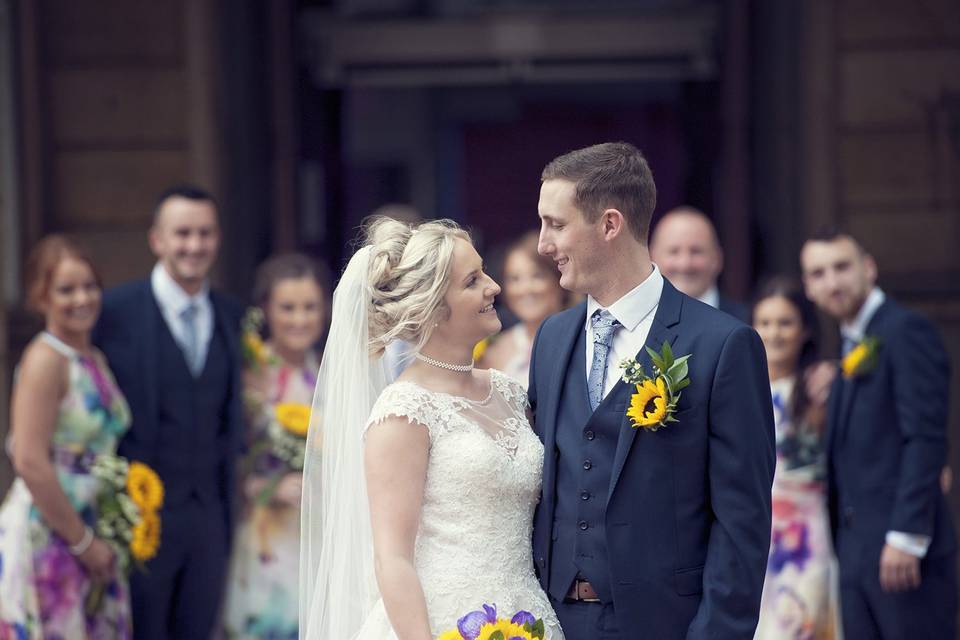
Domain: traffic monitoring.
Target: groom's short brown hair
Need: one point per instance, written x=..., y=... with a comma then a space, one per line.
x=611, y=175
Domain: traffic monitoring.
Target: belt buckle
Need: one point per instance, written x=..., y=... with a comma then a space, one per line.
x=576, y=588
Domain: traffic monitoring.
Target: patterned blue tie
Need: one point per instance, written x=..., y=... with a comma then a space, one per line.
x=191, y=347
x=604, y=325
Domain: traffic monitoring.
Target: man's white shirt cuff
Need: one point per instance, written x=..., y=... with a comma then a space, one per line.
x=912, y=543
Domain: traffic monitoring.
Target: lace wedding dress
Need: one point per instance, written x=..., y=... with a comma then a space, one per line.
x=483, y=483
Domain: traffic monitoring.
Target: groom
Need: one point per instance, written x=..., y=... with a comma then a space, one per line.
x=640, y=533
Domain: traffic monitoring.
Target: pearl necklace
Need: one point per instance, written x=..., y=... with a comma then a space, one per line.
x=445, y=365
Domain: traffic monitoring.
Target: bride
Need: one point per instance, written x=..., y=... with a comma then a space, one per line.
x=418, y=495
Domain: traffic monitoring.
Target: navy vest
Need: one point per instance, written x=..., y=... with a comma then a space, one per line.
x=586, y=447
x=192, y=421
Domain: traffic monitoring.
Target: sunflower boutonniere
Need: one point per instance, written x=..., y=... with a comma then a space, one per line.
x=862, y=359
x=655, y=401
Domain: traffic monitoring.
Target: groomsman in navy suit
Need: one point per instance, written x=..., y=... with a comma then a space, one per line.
x=643, y=533
x=685, y=246
x=172, y=343
x=886, y=446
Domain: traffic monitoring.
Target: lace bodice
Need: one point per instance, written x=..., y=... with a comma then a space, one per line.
x=483, y=483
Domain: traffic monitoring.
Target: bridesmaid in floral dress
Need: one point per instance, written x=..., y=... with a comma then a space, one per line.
x=279, y=380
x=799, y=599
x=66, y=409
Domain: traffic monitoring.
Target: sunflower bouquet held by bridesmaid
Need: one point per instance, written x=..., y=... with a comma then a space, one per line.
x=129, y=513
x=129, y=509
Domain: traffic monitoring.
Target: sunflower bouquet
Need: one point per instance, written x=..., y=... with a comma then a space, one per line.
x=655, y=401
x=254, y=351
x=281, y=449
x=127, y=512
x=128, y=508
x=485, y=625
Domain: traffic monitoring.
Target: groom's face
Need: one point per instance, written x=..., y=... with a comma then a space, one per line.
x=575, y=244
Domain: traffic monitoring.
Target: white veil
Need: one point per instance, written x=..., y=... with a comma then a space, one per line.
x=337, y=582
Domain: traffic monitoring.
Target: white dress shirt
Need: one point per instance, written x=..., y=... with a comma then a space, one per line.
x=635, y=312
x=711, y=297
x=172, y=300
x=912, y=543
x=857, y=329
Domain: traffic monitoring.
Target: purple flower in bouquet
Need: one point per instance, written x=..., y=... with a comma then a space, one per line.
x=523, y=617
x=469, y=625
x=484, y=625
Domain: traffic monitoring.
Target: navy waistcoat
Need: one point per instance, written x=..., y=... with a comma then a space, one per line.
x=586, y=446
x=192, y=421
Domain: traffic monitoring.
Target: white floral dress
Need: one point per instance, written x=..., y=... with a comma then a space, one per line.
x=43, y=587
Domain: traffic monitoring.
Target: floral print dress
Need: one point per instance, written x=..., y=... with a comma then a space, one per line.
x=44, y=590
x=263, y=587
x=800, y=591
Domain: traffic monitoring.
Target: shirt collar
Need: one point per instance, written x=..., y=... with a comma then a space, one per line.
x=711, y=297
x=635, y=305
x=171, y=295
x=857, y=329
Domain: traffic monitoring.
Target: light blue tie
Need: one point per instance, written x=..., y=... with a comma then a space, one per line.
x=847, y=345
x=191, y=347
x=604, y=325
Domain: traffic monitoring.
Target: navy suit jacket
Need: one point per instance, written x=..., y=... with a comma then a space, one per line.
x=128, y=334
x=736, y=309
x=688, y=516
x=887, y=440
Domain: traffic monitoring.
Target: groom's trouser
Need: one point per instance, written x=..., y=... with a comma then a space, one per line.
x=870, y=613
x=586, y=620
x=179, y=597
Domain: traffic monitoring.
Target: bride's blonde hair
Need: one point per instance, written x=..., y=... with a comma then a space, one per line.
x=408, y=276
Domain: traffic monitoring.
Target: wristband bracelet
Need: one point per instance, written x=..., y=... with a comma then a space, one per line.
x=84, y=544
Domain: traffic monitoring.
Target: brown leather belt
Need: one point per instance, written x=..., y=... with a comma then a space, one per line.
x=582, y=591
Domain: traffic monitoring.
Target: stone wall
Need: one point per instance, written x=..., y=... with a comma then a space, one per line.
x=880, y=150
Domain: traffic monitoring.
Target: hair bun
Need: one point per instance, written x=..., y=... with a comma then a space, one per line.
x=408, y=273
x=387, y=239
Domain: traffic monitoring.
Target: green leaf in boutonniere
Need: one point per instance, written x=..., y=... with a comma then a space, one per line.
x=655, y=401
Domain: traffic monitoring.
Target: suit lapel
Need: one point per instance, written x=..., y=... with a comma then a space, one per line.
x=151, y=317
x=230, y=338
x=220, y=324
x=567, y=341
x=851, y=386
x=846, y=403
x=662, y=330
x=833, y=412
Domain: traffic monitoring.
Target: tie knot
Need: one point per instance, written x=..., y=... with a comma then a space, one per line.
x=189, y=312
x=604, y=324
x=847, y=345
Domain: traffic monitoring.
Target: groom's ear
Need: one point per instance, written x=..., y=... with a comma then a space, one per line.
x=613, y=223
